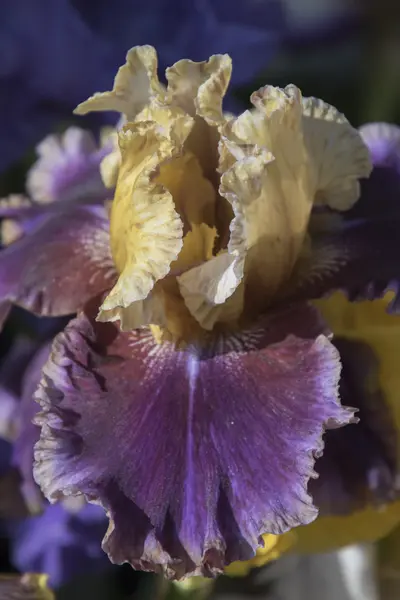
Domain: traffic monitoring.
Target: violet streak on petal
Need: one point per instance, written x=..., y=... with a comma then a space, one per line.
x=359, y=465
x=358, y=251
x=61, y=265
x=194, y=453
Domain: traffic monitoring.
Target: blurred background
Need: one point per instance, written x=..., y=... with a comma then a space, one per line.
x=53, y=55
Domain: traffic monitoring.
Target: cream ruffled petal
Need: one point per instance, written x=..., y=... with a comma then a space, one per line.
x=338, y=155
x=150, y=311
x=109, y=166
x=134, y=85
x=199, y=87
x=265, y=179
x=146, y=230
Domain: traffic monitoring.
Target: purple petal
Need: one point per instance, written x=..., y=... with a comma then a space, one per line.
x=194, y=453
x=68, y=169
x=64, y=263
x=359, y=465
x=27, y=432
x=359, y=251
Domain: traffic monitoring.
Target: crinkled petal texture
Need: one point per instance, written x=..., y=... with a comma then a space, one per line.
x=61, y=265
x=193, y=453
x=358, y=251
x=259, y=175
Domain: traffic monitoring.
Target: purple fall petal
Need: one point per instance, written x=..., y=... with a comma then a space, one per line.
x=359, y=465
x=194, y=453
x=61, y=265
x=358, y=251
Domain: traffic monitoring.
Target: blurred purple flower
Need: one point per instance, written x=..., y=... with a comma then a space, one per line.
x=62, y=543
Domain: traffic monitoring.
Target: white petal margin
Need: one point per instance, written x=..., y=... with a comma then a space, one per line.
x=337, y=152
x=383, y=141
x=146, y=230
x=135, y=84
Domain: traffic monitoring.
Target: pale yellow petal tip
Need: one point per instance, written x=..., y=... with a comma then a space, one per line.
x=134, y=85
x=271, y=99
x=338, y=153
x=199, y=87
x=150, y=311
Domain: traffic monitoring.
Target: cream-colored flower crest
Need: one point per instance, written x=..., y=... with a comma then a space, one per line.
x=211, y=211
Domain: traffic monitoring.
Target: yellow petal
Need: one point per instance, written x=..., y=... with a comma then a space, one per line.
x=150, y=311
x=135, y=84
x=199, y=87
x=339, y=156
x=366, y=322
x=193, y=194
x=329, y=533
x=146, y=231
x=369, y=322
x=265, y=180
x=388, y=557
x=109, y=166
x=274, y=547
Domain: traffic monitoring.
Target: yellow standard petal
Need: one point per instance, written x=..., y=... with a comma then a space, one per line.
x=135, y=84
x=146, y=230
x=265, y=178
x=109, y=166
x=367, y=322
x=199, y=88
x=338, y=155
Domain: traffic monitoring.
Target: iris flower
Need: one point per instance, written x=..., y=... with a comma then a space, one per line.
x=190, y=395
